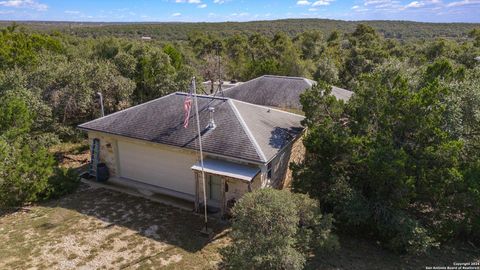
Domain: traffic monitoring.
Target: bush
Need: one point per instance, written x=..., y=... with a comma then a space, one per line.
x=314, y=230
x=27, y=169
x=274, y=229
x=25, y=165
x=24, y=173
x=62, y=182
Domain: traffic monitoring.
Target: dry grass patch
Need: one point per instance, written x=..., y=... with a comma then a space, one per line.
x=102, y=229
x=97, y=228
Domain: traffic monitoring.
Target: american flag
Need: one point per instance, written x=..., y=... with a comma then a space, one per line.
x=187, y=106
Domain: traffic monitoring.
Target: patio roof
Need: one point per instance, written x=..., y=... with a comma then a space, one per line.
x=224, y=168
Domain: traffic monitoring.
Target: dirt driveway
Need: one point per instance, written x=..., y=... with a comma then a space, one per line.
x=103, y=229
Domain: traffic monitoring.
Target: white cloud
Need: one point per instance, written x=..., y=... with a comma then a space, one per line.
x=435, y=4
x=358, y=8
x=242, y=14
x=322, y=3
x=312, y=9
x=463, y=3
x=383, y=5
x=377, y=2
x=32, y=4
x=303, y=3
x=415, y=4
x=72, y=12
x=202, y=6
x=177, y=14
x=218, y=1
x=188, y=1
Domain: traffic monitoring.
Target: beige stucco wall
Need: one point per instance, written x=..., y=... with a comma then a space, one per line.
x=108, y=150
x=237, y=188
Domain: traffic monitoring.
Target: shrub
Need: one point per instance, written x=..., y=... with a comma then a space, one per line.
x=24, y=173
x=26, y=167
x=62, y=182
x=15, y=116
x=274, y=229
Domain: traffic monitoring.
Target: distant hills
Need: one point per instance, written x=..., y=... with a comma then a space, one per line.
x=403, y=30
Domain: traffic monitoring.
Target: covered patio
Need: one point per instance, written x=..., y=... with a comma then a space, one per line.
x=225, y=183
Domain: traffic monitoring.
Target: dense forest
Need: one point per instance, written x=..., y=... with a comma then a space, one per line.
x=399, y=163
x=176, y=31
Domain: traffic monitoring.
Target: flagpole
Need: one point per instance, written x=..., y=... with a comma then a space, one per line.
x=201, y=153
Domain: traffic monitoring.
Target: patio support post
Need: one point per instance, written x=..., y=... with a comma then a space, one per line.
x=223, y=196
x=197, y=193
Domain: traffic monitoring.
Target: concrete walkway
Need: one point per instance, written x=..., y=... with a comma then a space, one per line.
x=140, y=192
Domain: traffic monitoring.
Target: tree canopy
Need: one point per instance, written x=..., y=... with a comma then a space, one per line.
x=275, y=229
x=398, y=163
x=393, y=162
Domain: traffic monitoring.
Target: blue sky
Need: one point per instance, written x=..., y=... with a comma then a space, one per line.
x=239, y=10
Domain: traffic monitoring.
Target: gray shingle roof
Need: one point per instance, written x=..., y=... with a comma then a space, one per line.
x=270, y=128
x=245, y=131
x=278, y=91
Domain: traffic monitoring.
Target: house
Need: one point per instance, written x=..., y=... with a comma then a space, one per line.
x=278, y=91
x=246, y=147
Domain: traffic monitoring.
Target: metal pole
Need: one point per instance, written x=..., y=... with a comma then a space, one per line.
x=201, y=152
x=101, y=104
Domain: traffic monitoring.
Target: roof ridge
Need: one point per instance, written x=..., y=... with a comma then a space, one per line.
x=284, y=77
x=244, y=83
x=266, y=107
x=247, y=130
x=124, y=110
x=202, y=96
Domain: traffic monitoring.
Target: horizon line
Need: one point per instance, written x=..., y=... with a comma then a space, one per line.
x=213, y=22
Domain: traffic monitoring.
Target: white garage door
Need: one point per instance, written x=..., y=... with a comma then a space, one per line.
x=156, y=166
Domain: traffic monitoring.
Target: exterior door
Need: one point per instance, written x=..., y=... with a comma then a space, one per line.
x=214, y=189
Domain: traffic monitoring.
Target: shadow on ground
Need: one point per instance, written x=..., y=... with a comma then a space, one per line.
x=355, y=253
x=150, y=219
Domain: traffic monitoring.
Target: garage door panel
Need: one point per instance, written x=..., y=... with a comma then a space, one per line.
x=155, y=166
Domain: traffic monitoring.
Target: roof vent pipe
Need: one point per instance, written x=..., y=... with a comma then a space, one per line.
x=211, y=123
x=100, y=96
